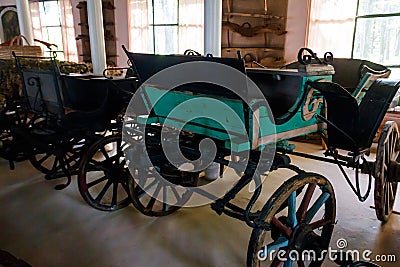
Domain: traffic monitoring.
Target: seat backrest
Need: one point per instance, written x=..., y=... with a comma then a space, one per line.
x=146, y=65
x=41, y=89
x=349, y=72
x=83, y=93
x=281, y=92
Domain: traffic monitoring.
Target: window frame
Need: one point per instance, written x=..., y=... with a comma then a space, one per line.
x=155, y=25
x=51, y=52
x=370, y=16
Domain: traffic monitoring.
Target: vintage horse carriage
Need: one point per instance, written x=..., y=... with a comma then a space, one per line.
x=251, y=138
x=62, y=115
x=74, y=126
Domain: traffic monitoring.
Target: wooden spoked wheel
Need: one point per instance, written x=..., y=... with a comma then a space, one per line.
x=64, y=155
x=156, y=196
x=388, y=152
x=301, y=216
x=103, y=176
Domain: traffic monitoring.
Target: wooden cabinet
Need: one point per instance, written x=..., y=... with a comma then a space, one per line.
x=109, y=32
x=256, y=28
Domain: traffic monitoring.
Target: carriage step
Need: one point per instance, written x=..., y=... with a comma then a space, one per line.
x=393, y=171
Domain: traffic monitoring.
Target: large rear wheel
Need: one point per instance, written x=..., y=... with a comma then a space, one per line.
x=298, y=217
x=388, y=153
x=103, y=176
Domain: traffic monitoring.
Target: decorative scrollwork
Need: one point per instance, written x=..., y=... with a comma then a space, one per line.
x=34, y=81
x=306, y=59
x=190, y=52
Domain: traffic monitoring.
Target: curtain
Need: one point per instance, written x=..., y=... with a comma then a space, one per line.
x=331, y=26
x=35, y=16
x=68, y=31
x=67, y=28
x=191, y=25
x=140, y=34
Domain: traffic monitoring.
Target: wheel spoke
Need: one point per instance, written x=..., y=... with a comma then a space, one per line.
x=97, y=166
x=175, y=193
x=165, y=198
x=93, y=183
x=148, y=187
x=288, y=263
x=55, y=163
x=391, y=192
x=281, y=226
x=387, y=201
x=292, y=220
x=104, y=152
x=281, y=242
x=103, y=191
x=301, y=212
x=277, y=262
x=153, y=199
x=316, y=206
x=115, y=194
x=320, y=223
x=48, y=155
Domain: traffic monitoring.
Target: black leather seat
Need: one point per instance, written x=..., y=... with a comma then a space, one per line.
x=146, y=65
x=348, y=71
x=351, y=126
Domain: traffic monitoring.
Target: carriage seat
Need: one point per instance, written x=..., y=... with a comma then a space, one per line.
x=281, y=92
x=351, y=126
x=349, y=72
x=44, y=91
x=146, y=65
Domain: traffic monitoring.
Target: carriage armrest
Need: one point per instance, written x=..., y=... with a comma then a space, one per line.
x=368, y=77
x=373, y=108
x=343, y=114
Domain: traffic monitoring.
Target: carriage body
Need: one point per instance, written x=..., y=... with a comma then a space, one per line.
x=291, y=112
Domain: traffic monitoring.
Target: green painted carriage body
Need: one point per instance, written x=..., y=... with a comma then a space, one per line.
x=183, y=110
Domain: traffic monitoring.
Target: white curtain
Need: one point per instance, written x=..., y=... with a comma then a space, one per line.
x=331, y=26
x=68, y=31
x=190, y=28
x=140, y=34
x=191, y=25
x=67, y=28
x=36, y=24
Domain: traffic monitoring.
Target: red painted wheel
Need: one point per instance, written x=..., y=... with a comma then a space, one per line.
x=301, y=215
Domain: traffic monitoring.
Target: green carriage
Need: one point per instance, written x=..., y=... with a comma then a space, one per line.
x=249, y=115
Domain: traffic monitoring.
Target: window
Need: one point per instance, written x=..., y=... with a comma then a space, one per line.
x=377, y=32
x=166, y=26
x=164, y=23
x=364, y=29
x=53, y=22
x=50, y=18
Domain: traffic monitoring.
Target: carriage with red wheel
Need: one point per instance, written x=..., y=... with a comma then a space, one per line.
x=192, y=112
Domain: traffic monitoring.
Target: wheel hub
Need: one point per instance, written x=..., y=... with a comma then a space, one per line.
x=303, y=237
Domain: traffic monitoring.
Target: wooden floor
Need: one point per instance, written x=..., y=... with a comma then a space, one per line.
x=46, y=227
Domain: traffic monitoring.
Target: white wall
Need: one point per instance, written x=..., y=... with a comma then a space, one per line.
x=296, y=25
x=121, y=30
x=7, y=2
